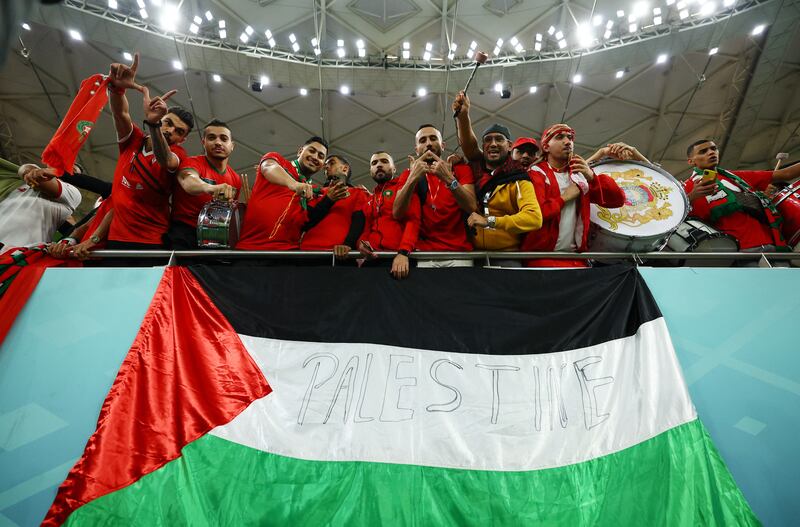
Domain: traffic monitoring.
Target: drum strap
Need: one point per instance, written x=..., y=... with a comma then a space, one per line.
x=750, y=202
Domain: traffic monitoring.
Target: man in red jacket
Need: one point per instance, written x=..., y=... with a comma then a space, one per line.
x=382, y=231
x=732, y=201
x=565, y=186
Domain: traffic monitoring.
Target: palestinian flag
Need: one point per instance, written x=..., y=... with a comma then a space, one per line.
x=322, y=396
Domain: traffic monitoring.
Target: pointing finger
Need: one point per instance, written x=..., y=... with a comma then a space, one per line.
x=135, y=64
x=168, y=95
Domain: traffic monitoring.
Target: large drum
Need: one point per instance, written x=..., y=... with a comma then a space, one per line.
x=695, y=236
x=655, y=205
x=218, y=224
x=787, y=201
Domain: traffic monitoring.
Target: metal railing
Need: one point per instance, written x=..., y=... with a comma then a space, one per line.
x=487, y=256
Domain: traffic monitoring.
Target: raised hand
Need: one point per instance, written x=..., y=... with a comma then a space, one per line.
x=461, y=104
x=123, y=76
x=156, y=108
x=578, y=164
x=337, y=191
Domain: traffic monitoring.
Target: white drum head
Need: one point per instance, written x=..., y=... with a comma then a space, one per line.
x=655, y=202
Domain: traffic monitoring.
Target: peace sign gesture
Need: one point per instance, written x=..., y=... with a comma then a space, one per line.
x=123, y=76
x=156, y=108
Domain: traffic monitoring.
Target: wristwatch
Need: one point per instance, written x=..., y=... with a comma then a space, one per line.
x=403, y=252
x=491, y=221
x=453, y=184
x=95, y=239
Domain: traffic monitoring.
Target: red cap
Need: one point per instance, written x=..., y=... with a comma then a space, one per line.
x=524, y=141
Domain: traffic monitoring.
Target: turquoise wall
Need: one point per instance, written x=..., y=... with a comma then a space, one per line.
x=734, y=331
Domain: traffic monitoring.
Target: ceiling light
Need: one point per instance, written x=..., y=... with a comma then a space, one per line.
x=620, y=13
x=359, y=44
x=619, y=74
x=340, y=52
x=26, y=26
x=268, y=34
x=656, y=10
x=340, y=43
x=607, y=34
x=295, y=47
x=518, y=48
x=585, y=36
x=657, y=20
x=532, y=89
x=344, y=89
x=577, y=78
x=559, y=35
x=562, y=44
x=683, y=14
x=112, y=4
x=406, y=45
x=156, y=3
x=514, y=41
x=538, y=37
x=499, y=42
x=640, y=8
x=537, y=46
x=662, y=58
x=209, y=16
x=597, y=20
x=681, y=4
x=314, y=42
x=75, y=35
x=426, y=56
x=609, y=24
x=362, y=52
x=292, y=38
x=243, y=37
x=473, y=45
x=169, y=17
x=177, y=64
x=317, y=51
x=713, y=51
x=451, y=56
x=223, y=33
x=303, y=92
x=707, y=9
x=728, y=3
x=498, y=87
x=216, y=78
x=222, y=24
x=143, y=14
x=670, y=2
x=127, y=56
x=632, y=28
x=407, y=54
x=264, y=80
x=758, y=29
x=271, y=42
x=551, y=30
x=193, y=28
x=428, y=46
x=249, y=31
x=496, y=51
x=141, y=4
x=422, y=92
x=470, y=53
x=453, y=46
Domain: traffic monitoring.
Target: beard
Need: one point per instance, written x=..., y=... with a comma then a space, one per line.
x=381, y=177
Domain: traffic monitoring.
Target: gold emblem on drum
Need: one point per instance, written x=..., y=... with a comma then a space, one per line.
x=645, y=201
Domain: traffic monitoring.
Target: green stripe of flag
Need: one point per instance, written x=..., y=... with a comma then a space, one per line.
x=220, y=483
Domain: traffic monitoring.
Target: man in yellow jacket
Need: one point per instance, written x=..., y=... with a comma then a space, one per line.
x=505, y=194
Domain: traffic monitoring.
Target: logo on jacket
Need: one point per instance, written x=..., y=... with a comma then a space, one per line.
x=84, y=127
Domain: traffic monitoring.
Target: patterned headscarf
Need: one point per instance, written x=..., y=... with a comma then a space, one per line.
x=553, y=131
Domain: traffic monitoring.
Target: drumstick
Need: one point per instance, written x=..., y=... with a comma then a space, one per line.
x=245, y=194
x=780, y=157
x=480, y=58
